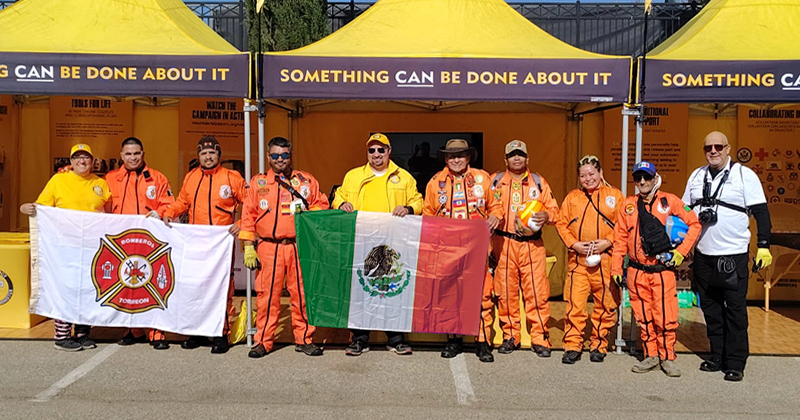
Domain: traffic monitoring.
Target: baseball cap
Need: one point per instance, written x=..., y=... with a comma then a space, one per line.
x=645, y=166
x=208, y=142
x=380, y=138
x=81, y=147
x=514, y=145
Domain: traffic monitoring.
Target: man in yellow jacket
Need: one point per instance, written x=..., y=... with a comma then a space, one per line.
x=378, y=186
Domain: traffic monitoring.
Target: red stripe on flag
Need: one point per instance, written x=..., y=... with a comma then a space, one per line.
x=450, y=274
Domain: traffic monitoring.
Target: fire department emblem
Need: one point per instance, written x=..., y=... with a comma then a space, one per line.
x=132, y=272
x=383, y=273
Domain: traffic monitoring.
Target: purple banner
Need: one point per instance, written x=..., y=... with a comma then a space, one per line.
x=722, y=81
x=110, y=74
x=452, y=79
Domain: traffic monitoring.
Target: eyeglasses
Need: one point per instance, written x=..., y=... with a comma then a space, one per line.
x=637, y=177
x=284, y=156
x=380, y=150
x=717, y=147
x=81, y=157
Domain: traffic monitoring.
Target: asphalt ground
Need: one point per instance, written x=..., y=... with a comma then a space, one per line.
x=38, y=381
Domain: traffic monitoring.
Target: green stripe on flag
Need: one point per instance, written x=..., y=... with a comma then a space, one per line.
x=325, y=246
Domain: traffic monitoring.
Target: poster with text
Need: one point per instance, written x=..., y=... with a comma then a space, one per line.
x=101, y=123
x=665, y=135
x=769, y=144
x=221, y=118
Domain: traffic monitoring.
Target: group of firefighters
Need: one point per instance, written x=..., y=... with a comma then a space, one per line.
x=598, y=225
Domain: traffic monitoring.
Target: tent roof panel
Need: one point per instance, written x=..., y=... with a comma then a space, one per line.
x=748, y=30
x=424, y=28
x=151, y=27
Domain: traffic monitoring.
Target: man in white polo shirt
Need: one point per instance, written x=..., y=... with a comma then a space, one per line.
x=724, y=194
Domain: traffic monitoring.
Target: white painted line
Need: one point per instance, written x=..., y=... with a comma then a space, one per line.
x=76, y=374
x=464, y=391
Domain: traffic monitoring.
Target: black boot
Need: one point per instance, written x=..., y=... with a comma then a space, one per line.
x=484, y=353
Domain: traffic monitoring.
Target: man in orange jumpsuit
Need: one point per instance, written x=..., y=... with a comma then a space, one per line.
x=269, y=237
x=586, y=225
x=521, y=255
x=651, y=282
x=210, y=194
x=138, y=189
x=461, y=192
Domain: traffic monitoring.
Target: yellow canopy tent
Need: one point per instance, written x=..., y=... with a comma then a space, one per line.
x=732, y=51
x=445, y=50
x=116, y=47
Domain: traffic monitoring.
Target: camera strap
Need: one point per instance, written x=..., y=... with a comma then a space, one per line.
x=605, y=218
x=711, y=200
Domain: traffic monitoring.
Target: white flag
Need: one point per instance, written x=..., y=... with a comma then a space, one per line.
x=129, y=271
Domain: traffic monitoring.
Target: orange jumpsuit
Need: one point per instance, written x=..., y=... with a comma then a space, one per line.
x=521, y=260
x=211, y=196
x=580, y=220
x=267, y=220
x=138, y=192
x=466, y=197
x=654, y=296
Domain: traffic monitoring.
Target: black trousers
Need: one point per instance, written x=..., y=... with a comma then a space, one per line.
x=725, y=310
x=394, y=337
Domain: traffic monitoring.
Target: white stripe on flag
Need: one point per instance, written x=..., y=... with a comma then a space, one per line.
x=373, y=310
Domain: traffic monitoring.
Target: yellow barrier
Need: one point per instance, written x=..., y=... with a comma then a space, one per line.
x=15, y=286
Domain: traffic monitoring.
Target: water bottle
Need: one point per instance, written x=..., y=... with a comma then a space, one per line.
x=664, y=258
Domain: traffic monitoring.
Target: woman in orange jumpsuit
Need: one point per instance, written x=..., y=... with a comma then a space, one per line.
x=586, y=225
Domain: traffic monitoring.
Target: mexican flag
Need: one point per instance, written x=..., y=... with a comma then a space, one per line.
x=374, y=271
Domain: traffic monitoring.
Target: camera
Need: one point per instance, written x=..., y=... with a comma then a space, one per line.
x=707, y=217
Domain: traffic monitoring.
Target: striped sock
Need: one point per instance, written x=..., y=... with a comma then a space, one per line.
x=63, y=330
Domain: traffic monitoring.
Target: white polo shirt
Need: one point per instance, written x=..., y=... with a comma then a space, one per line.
x=731, y=234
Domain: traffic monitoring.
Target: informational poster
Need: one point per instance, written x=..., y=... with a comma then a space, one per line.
x=665, y=136
x=7, y=150
x=101, y=123
x=221, y=118
x=768, y=144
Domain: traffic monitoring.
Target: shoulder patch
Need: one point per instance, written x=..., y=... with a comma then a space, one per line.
x=630, y=208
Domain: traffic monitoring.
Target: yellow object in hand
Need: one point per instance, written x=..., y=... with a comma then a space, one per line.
x=677, y=258
x=527, y=211
x=763, y=258
x=250, y=257
x=617, y=280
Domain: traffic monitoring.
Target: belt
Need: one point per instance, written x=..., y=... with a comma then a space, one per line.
x=518, y=237
x=284, y=241
x=657, y=268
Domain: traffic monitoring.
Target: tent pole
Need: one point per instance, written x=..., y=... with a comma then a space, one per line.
x=261, y=119
x=619, y=343
x=248, y=173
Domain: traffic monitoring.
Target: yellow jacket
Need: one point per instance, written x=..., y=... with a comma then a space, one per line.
x=401, y=188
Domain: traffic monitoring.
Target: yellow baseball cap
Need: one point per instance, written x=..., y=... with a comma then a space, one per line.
x=81, y=147
x=379, y=138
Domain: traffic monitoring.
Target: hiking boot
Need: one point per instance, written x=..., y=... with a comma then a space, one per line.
x=194, y=342
x=540, y=351
x=484, y=353
x=67, y=344
x=160, y=345
x=596, y=356
x=670, y=368
x=646, y=365
x=86, y=342
x=129, y=339
x=399, y=348
x=257, y=352
x=356, y=348
x=570, y=357
x=308, y=349
x=454, y=347
x=508, y=346
x=711, y=365
x=734, y=375
x=220, y=345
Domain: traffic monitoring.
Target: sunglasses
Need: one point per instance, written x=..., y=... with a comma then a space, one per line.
x=639, y=176
x=284, y=156
x=380, y=150
x=718, y=147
